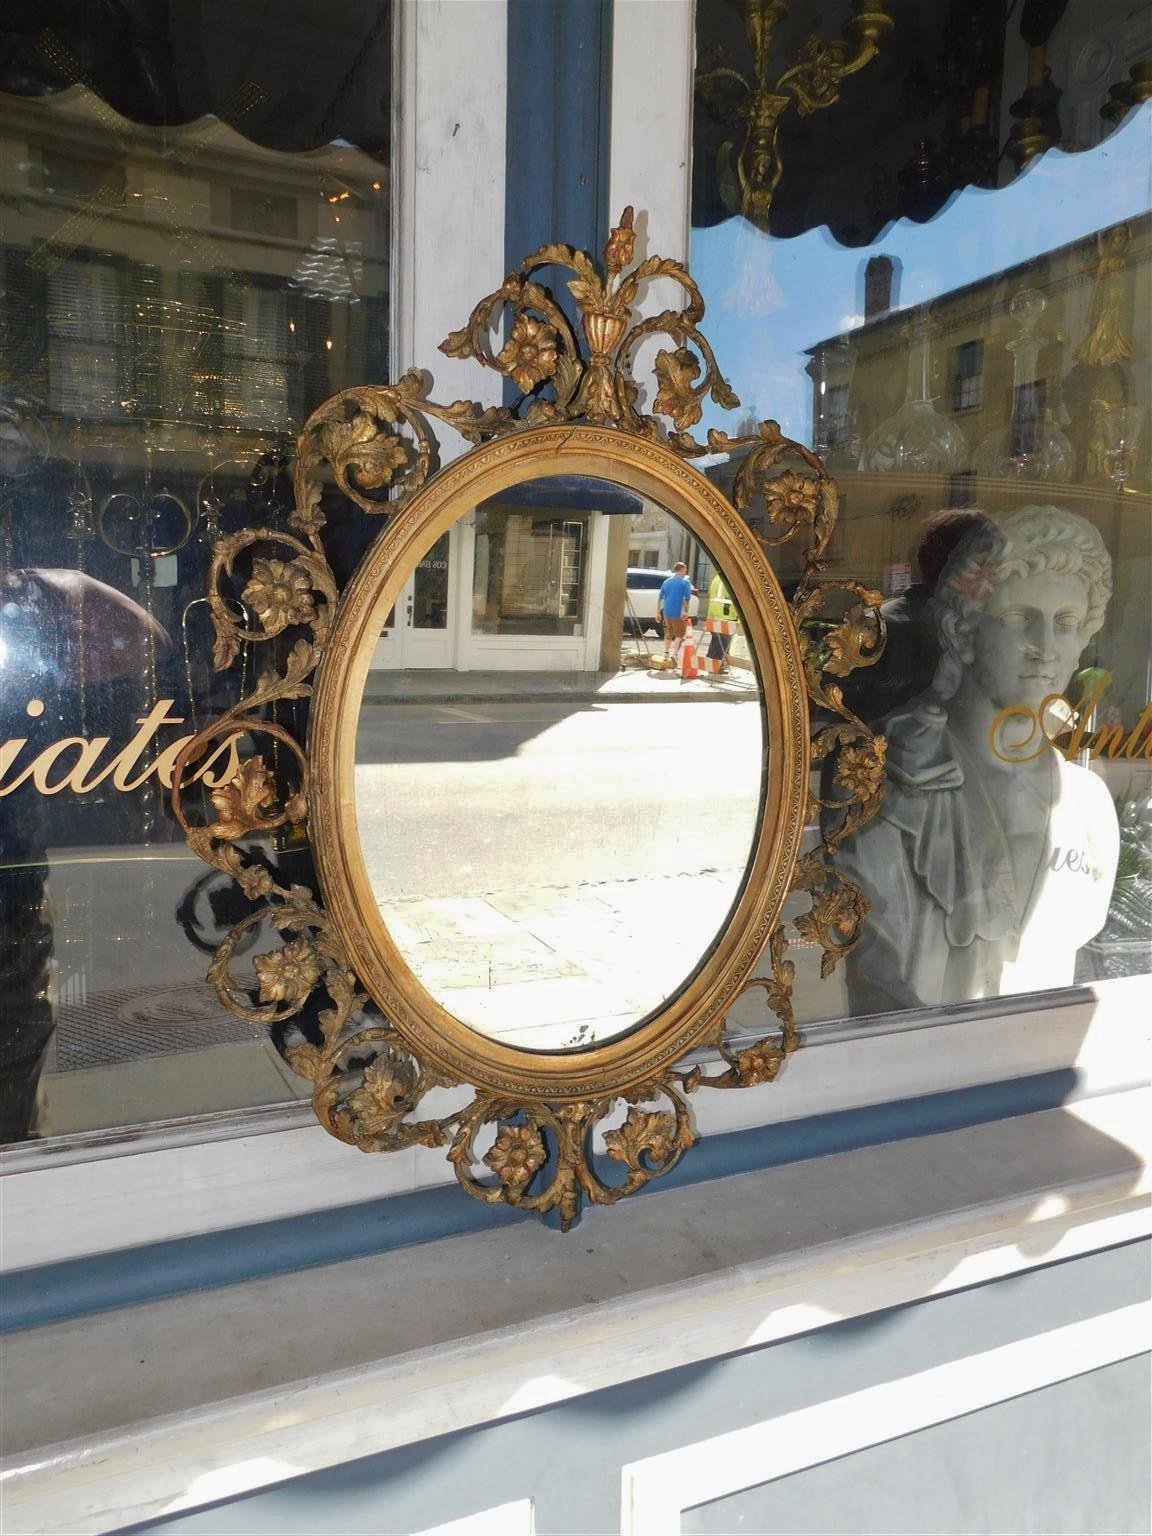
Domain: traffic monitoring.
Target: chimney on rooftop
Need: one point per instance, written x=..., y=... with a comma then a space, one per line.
x=881, y=286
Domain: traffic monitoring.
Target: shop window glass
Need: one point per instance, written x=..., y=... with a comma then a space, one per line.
x=194, y=235
x=529, y=573
x=937, y=274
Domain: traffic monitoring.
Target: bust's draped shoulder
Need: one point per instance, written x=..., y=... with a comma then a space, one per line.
x=955, y=837
x=945, y=919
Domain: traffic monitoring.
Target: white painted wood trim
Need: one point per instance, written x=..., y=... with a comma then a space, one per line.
x=650, y=158
x=656, y=1491
x=650, y=154
x=160, y=1192
x=85, y=1480
x=452, y=156
x=515, y=1519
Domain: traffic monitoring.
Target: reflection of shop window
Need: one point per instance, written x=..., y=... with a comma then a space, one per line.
x=967, y=375
x=87, y=178
x=643, y=559
x=254, y=355
x=530, y=573
x=962, y=488
x=648, y=551
x=1028, y=404
x=429, y=604
x=86, y=339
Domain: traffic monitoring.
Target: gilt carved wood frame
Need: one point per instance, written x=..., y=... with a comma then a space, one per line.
x=382, y=1042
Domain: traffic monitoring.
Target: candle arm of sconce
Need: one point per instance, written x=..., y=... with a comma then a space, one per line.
x=814, y=81
x=723, y=72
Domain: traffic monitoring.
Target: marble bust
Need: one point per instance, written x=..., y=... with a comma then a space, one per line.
x=988, y=868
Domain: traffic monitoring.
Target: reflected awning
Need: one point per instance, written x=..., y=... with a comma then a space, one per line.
x=575, y=493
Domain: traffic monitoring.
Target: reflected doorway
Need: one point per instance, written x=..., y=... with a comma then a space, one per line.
x=419, y=631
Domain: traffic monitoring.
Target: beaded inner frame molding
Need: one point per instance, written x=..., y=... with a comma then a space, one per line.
x=350, y=1014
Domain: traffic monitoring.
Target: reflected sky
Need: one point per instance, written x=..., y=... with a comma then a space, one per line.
x=769, y=300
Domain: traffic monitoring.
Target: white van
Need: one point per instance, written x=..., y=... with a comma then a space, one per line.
x=643, y=594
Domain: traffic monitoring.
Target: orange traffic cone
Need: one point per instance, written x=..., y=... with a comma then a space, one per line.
x=688, y=667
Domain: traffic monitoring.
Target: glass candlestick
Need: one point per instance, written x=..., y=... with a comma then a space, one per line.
x=831, y=370
x=917, y=438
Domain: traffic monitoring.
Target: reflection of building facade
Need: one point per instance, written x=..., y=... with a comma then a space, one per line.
x=532, y=581
x=175, y=302
x=1042, y=351
x=656, y=542
x=191, y=278
x=1013, y=391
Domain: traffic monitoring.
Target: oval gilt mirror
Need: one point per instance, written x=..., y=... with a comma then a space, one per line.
x=554, y=856
x=557, y=771
x=558, y=872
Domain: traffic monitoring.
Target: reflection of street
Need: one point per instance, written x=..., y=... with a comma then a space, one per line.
x=553, y=870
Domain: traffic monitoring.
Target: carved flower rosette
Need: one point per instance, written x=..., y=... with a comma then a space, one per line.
x=274, y=588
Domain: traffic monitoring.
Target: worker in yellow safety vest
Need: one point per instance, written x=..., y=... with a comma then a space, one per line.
x=722, y=624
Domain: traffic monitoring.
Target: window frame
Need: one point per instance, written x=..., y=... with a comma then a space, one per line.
x=129, y=1187
x=114, y=1190
x=968, y=388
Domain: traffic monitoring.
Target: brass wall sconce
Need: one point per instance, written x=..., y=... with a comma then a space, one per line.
x=749, y=174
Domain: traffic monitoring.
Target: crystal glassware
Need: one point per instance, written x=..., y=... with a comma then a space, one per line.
x=1031, y=446
x=917, y=438
x=1120, y=430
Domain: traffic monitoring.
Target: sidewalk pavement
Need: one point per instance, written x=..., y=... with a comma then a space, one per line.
x=559, y=966
x=631, y=685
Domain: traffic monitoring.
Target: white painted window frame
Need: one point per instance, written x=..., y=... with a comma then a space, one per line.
x=852, y=1234
x=78, y=1196
x=82, y=1195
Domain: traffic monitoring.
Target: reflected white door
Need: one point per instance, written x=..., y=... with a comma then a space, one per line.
x=419, y=632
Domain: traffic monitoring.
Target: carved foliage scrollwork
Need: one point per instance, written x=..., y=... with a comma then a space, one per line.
x=544, y=1156
x=561, y=380
x=375, y=443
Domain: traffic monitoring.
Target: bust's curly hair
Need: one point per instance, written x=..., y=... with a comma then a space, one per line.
x=1032, y=540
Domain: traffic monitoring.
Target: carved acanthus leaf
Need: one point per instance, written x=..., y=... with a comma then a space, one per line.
x=676, y=397
x=649, y=1133
x=384, y=1097
x=240, y=802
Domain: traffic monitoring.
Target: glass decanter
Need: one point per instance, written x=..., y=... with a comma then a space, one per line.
x=917, y=438
x=1031, y=446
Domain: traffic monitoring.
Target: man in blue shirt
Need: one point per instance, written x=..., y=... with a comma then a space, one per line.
x=672, y=607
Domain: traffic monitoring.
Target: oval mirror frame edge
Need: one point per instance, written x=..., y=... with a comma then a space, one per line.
x=693, y=1014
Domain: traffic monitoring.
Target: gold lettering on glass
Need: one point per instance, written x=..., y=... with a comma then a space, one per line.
x=50, y=772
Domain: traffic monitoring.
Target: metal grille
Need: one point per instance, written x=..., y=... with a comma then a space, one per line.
x=114, y=1027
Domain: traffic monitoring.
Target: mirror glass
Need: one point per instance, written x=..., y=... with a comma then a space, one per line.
x=559, y=761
